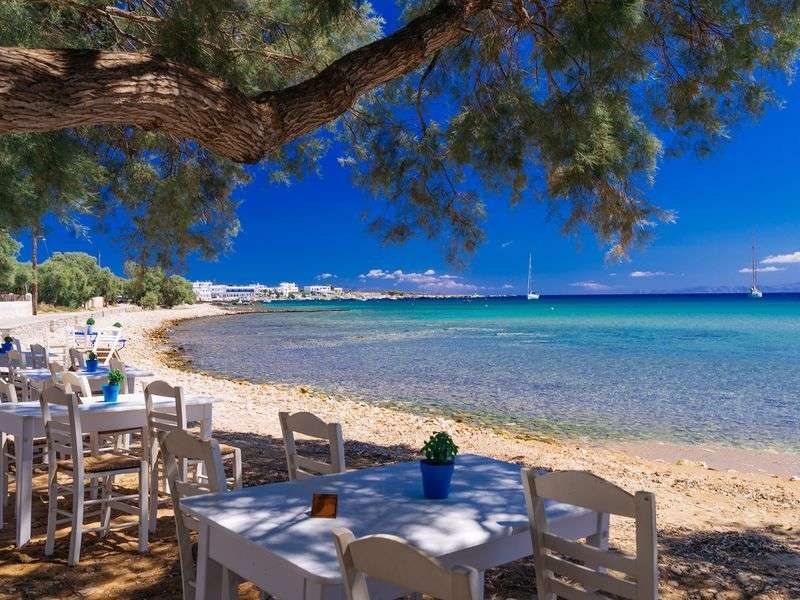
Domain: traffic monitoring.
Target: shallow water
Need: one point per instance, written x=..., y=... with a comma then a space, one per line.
x=690, y=369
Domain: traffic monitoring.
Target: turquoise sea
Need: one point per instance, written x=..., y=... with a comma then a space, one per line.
x=711, y=369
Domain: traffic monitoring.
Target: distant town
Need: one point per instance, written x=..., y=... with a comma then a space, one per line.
x=207, y=291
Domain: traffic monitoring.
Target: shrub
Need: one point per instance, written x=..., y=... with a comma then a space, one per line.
x=440, y=449
x=115, y=377
x=150, y=300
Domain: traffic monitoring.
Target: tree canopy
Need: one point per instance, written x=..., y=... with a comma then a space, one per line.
x=569, y=101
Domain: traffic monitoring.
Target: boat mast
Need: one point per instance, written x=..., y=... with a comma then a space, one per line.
x=529, y=273
x=755, y=281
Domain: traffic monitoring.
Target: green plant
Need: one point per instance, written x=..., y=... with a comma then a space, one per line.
x=440, y=449
x=8, y=339
x=90, y=321
x=91, y=355
x=118, y=325
x=115, y=377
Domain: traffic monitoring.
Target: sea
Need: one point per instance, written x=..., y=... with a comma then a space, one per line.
x=722, y=370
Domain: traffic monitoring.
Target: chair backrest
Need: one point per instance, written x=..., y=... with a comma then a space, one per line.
x=39, y=358
x=77, y=359
x=311, y=425
x=395, y=561
x=116, y=363
x=15, y=359
x=159, y=421
x=17, y=344
x=8, y=393
x=56, y=372
x=555, y=556
x=63, y=427
x=105, y=344
x=76, y=384
x=178, y=447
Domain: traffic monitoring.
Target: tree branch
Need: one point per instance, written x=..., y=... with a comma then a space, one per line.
x=45, y=90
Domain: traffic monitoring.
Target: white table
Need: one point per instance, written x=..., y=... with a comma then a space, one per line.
x=265, y=535
x=39, y=377
x=23, y=420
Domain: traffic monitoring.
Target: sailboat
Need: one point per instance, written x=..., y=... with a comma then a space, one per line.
x=754, y=291
x=531, y=294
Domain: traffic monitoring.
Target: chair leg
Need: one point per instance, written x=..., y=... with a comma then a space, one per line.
x=78, y=496
x=144, y=504
x=52, y=506
x=153, y=495
x=4, y=466
x=107, y=491
x=237, y=469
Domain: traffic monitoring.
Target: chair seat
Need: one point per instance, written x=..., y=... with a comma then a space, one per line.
x=104, y=462
x=226, y=450
x=38, y=445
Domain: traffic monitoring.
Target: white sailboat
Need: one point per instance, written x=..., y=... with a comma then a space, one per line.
x=531, y=294
x=754, y=291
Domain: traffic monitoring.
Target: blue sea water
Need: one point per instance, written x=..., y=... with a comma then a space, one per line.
x=691, y=369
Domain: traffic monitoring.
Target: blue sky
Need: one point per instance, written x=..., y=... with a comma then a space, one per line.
x=749, y=186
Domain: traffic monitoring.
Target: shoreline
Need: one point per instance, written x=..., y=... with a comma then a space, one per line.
x=703, y=455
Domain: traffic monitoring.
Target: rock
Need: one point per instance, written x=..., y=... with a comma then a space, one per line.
x=685, y=462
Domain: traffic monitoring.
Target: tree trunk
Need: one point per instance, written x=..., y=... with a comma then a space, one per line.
x=36, y=232
x=45, y=90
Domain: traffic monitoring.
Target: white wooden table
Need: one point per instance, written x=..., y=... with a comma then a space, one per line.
x=38, y=378
x=23, y=420
x=265, y=535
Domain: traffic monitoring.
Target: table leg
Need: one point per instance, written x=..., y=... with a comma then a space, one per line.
x=131, y=380
x=600, y=539
x=24, y=459
x=209, y=572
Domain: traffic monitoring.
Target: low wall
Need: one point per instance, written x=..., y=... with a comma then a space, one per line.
x=15, y=310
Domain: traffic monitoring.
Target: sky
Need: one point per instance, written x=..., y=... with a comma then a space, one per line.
x=312, y=230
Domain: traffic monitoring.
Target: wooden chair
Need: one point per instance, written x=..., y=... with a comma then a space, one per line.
x=587, y=566
x=160, y=423
x=8, y=457
x=76, y=384
x=77, y=359
x=67, y=456
x=106, y=343
x=308, y=424
x=177, y=448
x=56, y=372
x=393, y=560
x=39, y=356
x=16, y=362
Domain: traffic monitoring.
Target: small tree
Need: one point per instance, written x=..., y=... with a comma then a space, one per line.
x=177, y=290
x=9, y=248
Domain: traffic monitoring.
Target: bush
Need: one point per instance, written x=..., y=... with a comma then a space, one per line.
x=150, y=287
x=72, y=278
x=150, y=300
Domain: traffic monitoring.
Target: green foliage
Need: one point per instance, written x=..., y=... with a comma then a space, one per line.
x=440, y=449
x=90, y=321
x=91, y=355
x=118, y=325
x=151, y=287
x=8, y=339
x=9, y=248
x=72, y=278
x=115, y=377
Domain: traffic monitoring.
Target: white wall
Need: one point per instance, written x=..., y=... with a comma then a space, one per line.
x=15, y=310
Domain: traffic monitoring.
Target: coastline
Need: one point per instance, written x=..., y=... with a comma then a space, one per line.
x=737, y=529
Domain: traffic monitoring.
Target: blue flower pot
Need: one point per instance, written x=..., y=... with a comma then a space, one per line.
x=436, y=479
x=7, y=346
x=90, y=329
x=110, y=392
x=91, y=365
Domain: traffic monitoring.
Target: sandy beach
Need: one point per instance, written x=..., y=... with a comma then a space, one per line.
x=728, y=520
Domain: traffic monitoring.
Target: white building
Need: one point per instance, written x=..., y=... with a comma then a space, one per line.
x=322, y=290
x=287, y=287
x=207, y=291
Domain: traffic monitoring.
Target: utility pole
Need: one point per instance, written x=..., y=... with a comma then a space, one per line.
x=36, y=232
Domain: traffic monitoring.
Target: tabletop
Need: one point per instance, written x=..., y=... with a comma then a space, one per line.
x=100, y=373
x=125, y=403
x=486, y=503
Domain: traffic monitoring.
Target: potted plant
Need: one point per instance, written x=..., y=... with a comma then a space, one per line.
x=8, y=344
x=118, y=325
x=111, y=389
x=437, y=467
x=91, y=362
x=90, y=325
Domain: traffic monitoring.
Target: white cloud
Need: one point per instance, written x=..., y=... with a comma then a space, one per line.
x=782, y=259
x=506, y=244
x=427, y=280
x=322, y=276
x=647, y=273
x=761, y=269
x=590, y=285
x=508, y=286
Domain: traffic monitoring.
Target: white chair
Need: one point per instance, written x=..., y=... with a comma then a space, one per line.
x=177, y=448
x=8, y=458
x=106, y=343
x=17, y=344
x=76, y=384
x=56, y=373
x=77, y=359
x=394, y=561
x=16, y=363
x=308, y=424
x=67, y=456
x=577, y=571
x=161, y=422
x=39, y=358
